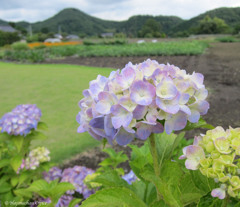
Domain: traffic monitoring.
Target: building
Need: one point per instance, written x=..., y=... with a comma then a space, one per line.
x=72, y=37
x=109, y=34
x=7, y=28
x=52, y=40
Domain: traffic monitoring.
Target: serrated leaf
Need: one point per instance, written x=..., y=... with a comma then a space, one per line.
x=111, y=179
x=18, y=142
x=14, y=181
x=5, y=187
x=200, y=124
x=202, y=182
x=23, y=193
x=165, y=144
x=74, y=202
x=140, y=157
x=24, y=176
x=39, y=185
x=42, y=126
x=15, y=162
x=4, y=162
x=114, y=197
x=169, y=195
x=59, y=190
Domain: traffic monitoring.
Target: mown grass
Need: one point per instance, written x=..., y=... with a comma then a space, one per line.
x=56, y=89
x=134, y=49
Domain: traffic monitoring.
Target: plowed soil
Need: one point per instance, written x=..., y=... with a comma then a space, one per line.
x=220, y=66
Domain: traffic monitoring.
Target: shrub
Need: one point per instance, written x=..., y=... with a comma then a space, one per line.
x=20, y=46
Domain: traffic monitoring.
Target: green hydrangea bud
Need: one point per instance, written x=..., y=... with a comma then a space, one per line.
x=216, y=155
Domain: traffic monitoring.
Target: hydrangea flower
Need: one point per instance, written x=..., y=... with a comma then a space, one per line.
x=130, y=177
x=21, y=120
x=132, y=103
x=35, y=157
x=216, y=155
x=76, y=176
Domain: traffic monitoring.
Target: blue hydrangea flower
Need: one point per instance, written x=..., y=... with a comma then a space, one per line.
x=21, y=120
x=131, y=103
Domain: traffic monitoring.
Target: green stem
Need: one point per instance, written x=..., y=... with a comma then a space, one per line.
x=225, y=201
x=154, y=155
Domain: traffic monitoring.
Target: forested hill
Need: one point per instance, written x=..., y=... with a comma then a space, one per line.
x=77, y=22
x=230, y=15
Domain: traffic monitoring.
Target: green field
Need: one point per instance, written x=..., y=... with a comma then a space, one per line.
x=101, y=50
x=56, y=89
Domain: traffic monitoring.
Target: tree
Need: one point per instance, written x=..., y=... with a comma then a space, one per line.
x=7, y=38
x=151, y=28
x=212, y=26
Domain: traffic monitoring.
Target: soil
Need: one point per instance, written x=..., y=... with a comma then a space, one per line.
x=220, y=66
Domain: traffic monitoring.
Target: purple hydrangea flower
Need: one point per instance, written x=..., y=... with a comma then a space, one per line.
x=130, y=177
x=21, y=120
x=76, y=176
x=53, y=174
x=131, y=103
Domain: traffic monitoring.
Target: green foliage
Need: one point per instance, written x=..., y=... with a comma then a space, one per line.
x=115, y=197
x=114, y=158
x=200, y=124
x=210, y=25
x=116, y=49
x=19, y=46
x=7, y=38
x=229, y=15
x=151, y=28
x=227, y=39
x=21, y=184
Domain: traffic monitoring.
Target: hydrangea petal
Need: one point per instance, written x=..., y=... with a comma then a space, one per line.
x=218, y=192
x=142, y=92
x=175, y=122
x=123, y=137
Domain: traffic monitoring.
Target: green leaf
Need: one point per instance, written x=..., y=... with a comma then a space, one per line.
x=140, y=157
x=189, y=192
x=23, y=193
x=202, y=182
x=171, y=196
x=24, y=176
x=209, y=201
x=5, y=187
x=165, y=144
x=16, y=161
x=38, y=186
x=74, y=202
x=114, y=197
x=18, y=142
x=201, y=124
x=35, y=135
x=14, y=181
x=4, y=162
x=111, y=179
x=42, y=126
x=59, y=190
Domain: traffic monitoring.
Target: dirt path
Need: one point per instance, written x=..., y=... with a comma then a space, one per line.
x=220, y=66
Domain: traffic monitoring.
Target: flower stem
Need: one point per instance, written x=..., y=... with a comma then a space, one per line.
x=225, y=201
x=154, y=155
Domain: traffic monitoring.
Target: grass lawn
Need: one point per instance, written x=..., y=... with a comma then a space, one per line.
x=56, y=89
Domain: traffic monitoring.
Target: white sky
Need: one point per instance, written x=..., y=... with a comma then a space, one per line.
x=33, y=11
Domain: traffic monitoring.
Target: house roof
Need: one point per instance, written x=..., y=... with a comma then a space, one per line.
x=6, y=28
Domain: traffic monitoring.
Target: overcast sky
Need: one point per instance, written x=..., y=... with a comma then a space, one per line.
x=38, y=10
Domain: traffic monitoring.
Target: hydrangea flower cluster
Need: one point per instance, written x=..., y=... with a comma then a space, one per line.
x=76, y=176
x=35, y=157
x=216, y=155
x=21, y=120
x=131, y=103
